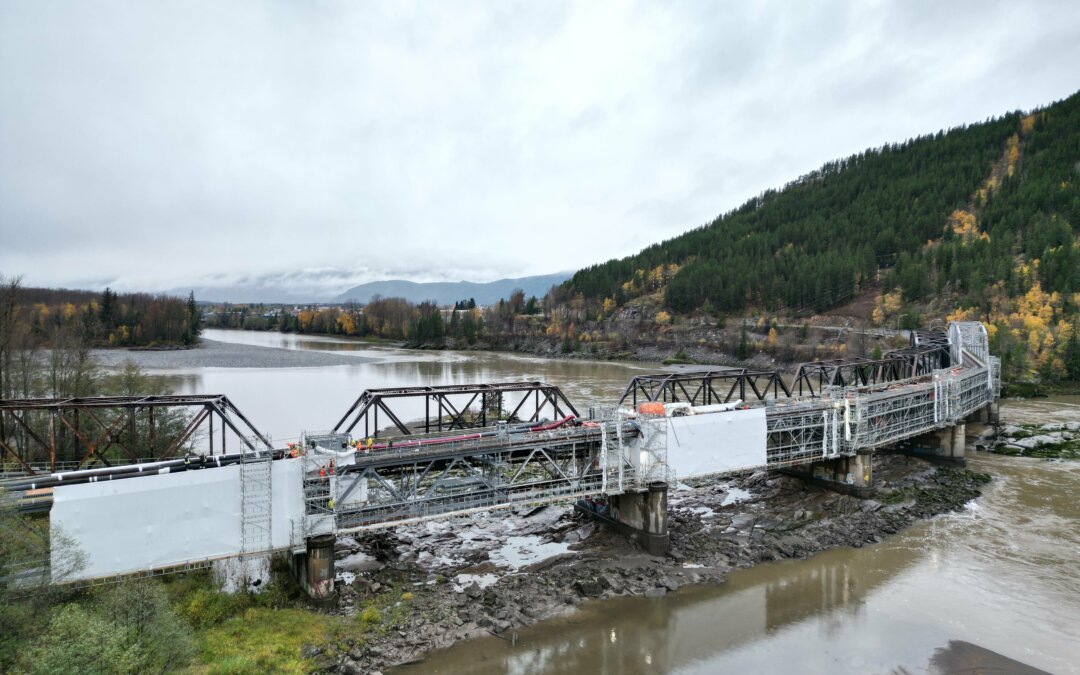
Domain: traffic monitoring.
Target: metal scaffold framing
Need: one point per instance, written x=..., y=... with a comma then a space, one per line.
x=256, y=504
x=391, y=486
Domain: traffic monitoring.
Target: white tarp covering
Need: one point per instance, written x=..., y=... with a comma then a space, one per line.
x=287, y=510
x=716, y=442
x=139, y=524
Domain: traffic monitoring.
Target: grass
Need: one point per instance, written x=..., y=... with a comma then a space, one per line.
x=265, y=640
x=265, y=632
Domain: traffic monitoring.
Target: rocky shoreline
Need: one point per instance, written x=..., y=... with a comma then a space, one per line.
x=1048, y=441
x=441, y=582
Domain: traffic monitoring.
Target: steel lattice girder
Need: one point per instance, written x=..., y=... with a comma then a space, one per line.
x=895, y=414
x=94, y=425
x=418, y=487
x=706, y=387
x=801, y=433
x=446, y=400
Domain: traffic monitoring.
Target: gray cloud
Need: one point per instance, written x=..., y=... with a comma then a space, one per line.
x=164, y=145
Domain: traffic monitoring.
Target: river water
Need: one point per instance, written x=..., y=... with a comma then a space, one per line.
x=1004, y=574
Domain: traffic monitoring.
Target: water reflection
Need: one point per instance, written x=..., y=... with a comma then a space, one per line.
x=687, y=629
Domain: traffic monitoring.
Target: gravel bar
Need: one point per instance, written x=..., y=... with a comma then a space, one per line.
x=213, y=354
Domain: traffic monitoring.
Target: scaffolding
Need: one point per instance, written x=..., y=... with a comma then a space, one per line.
x=256, y=515
x=801, y=431
x=411, y=484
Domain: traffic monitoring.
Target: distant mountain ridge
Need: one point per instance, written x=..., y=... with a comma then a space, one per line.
x=448, y=292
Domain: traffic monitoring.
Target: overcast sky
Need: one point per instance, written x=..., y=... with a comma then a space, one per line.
x=155, y=145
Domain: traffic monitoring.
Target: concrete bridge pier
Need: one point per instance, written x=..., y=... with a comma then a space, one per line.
x=642, y=516
x=941, y=446
x=314, y=569
x=852, y=475
x=989, y=414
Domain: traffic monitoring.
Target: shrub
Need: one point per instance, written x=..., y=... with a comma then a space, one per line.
x=370, y=615
x=208, y=607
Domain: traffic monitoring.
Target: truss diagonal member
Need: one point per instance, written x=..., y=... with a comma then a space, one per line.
x=130, y=415
x=558, y=473
x=478, y=474
x=230, y=408
x=26, y=467
x=343, y=497
x=186, y=433
x=394, y=492
x=439, y=479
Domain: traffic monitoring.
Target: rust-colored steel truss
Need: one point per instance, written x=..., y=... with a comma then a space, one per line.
x=922, y=358
x=706, y=387
x=447, y=407
x=48, y=434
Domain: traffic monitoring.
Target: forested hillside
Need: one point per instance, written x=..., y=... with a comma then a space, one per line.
x=983, y=218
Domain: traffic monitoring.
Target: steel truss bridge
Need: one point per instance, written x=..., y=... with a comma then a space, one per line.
x=69, y=434
x=451, y=407
x=539, y=450
x=846, y=407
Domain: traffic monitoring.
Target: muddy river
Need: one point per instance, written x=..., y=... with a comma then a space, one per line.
x=1003, y=575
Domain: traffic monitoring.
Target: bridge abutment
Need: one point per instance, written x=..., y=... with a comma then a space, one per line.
x=642, y=516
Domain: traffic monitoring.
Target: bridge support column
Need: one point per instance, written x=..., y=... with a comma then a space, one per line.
x=942, y=446
x=642, y=516
x=849, y=475
x=314, y=569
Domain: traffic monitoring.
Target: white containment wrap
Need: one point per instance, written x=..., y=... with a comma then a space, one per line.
x=716, y=442
x=140, y=524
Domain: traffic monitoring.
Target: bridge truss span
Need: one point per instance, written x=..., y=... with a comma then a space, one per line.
x=411, y=484
x=450, y=407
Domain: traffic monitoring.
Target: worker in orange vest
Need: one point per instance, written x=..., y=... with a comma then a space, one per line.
x=322, y=474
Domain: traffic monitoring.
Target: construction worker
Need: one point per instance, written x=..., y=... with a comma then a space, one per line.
x=370, y=442
x=322, y=474
x=331, y=467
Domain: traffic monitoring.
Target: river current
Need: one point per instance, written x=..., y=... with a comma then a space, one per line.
x=1003, y=574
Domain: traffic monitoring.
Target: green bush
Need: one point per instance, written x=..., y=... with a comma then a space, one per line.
x=141, y=610
x=79, y=641
x=207, y=607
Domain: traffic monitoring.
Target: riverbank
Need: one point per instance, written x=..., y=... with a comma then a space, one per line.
x=493, y=573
